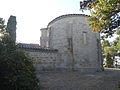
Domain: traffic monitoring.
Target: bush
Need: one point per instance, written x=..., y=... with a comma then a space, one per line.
x=16, y=68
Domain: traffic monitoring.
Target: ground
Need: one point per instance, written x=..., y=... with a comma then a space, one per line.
x=105, y=80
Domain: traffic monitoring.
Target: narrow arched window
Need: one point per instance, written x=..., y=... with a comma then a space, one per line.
x=84, y=38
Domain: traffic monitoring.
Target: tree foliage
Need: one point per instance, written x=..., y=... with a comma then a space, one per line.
x=16, y=68
x=2, y=27
x=111, y=49
x=118, y=40
x=105, y=18
x=109, y=53
x=11, y=27
x=105, y=15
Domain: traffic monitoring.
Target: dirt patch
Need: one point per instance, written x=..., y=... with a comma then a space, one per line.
x=106, y=80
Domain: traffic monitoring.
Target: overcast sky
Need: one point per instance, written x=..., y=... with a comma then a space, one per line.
x=35, y=14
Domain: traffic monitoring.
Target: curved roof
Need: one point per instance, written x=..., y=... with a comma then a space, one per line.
x=66, y=15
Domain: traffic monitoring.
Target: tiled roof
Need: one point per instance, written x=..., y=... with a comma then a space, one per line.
x=25, y=45
x=33, y=47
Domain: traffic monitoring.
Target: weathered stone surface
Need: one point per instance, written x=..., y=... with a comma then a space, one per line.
x=78, y=46
x=67, y=44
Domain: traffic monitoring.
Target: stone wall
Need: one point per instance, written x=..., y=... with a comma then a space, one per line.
x=43, y=58
x=78, y=46
x=67, y=43
x=44, y=39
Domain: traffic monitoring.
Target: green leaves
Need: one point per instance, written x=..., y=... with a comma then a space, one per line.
x=105, y=15
x=2, y=27
x=109, y=52
x=16, y=68
x=111, y=49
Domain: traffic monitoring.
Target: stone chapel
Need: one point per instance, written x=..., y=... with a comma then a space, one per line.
x=67, y=44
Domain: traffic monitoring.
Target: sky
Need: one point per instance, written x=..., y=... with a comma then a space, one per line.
x=32, y=15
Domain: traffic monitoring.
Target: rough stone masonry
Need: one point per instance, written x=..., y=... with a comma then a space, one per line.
x=67, y=44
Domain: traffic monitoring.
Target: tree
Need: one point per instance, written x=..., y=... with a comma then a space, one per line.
x=105, y=15
x=117, y=43
x=2, y=27
x=118, y=39
x=109, y=53
x=11, y=27
x=16, y=68
x=105, y=18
